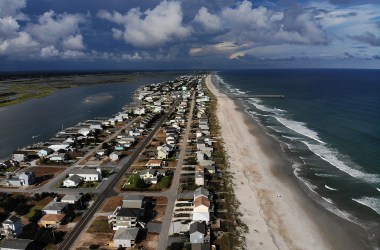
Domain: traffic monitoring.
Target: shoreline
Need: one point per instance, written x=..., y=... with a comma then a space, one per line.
x=278, y=213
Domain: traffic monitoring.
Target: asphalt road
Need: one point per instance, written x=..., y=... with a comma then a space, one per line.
x=171, y=194
x=78, y=229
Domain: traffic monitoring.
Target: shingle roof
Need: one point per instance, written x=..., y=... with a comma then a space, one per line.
x=16, y=243
x=53, y=217
x=129, y=212
x=201, y=201
x=55, y=206
x=201, y=192
x=197, y=227
x=126, y=234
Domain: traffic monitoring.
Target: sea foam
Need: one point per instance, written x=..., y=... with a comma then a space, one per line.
x=331, y=156
x=299, y=127
x=371, y=202
x=330, y=188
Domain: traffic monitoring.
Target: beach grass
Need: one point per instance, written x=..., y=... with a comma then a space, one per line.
x=235, y=229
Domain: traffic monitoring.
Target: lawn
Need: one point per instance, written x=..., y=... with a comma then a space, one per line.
x=100, y=226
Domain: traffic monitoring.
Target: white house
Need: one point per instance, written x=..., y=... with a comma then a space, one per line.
x=84, y=131
x=201, y=209
x=199, y=178
x=88, y=174
x=149, y=176
x=73, y=181
x=139, y=111
x=71, y=198
x=134, y=132
x=114, y=156
x=154, y=163
x=164, y=151
x=125, y=237
x=12, y=225
x=55, y=208
x=197, y=232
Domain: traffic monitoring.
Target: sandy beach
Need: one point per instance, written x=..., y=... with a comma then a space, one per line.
x=278, y=213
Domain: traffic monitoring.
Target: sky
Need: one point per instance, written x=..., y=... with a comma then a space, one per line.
x=188, y=34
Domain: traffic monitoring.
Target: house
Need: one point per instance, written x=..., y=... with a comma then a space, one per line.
x=51, y=220
x=23, y=179
x=57, y=147
x=199, y=178
x=19, y=155
x=71, y=198
x=58, y=157
x=73, y=181
x=197, y=232
x=12, y=226
x=149, y=176
x=139, y=111
x=154, y=163
x=125, y=237
x=163, y=151
x=133, y=201
x=55, y=208
x=88, y=174
x=201, y=191
x=17, y=244
x=114, y=156
x=134, y=132
x=171, y=138
x=96, y=127
x=124, y=217
x=201, y=209
x=45, y=152
x=84, y=131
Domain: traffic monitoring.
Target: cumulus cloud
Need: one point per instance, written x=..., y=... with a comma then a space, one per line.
x=367, y=37
x=52, y=35
x=73, y=42
x=52, y=27
x=151, y=28
x=262, y=25
x=210, y=22
x=11, y=7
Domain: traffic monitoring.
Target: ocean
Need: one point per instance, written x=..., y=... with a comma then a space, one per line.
x=328, y=126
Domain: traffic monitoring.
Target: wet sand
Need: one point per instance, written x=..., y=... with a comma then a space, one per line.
x=278, y=213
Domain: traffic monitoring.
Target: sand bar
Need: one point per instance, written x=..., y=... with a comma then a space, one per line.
x=277, y=212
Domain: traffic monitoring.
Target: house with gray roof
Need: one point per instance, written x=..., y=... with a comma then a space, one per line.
x=73, y=181
x=125, y=237
x=201, y=191
x=197, y=232
x=17, y=244
x=55, y=208
x=71, y=198
x=133, y=201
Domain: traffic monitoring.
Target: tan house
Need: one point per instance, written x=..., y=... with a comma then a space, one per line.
x=51, y=220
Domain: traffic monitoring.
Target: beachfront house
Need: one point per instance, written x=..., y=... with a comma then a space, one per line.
x=125, y=237
x=198, y=232
x=201, y=209
x=19, y=155
x=12, y=226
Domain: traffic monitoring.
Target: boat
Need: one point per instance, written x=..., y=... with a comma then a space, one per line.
x=35, y=136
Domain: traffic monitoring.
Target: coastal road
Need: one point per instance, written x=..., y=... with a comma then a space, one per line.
x=109, y=190
x=171, y=194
